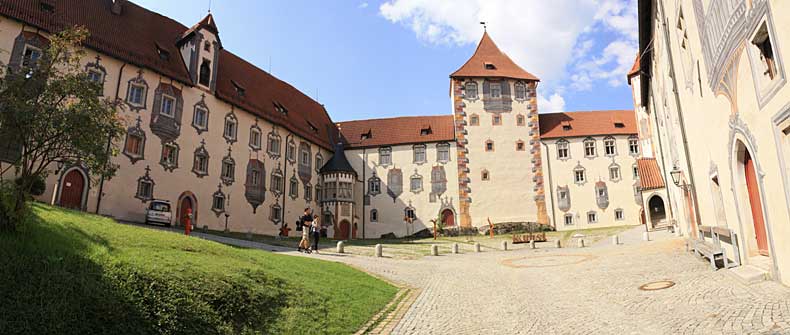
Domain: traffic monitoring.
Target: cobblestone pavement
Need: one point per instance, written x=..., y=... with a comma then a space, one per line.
x=574, y=291
x=582, y=291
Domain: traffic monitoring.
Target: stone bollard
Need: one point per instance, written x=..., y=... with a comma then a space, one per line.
x=434, y=250
x=581, y=243
x=341, y=247
x=532, y=244
x=645, y=236
x=379, y=250
x=504, y=245
x=477, y=247
x=455, y=248
x=616, y=239
x=558, y=244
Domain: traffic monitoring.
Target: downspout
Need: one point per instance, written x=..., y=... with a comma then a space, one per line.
x=551, y=186
x=663, y=161
x=285, y=175
x=109, y=138
x=364, y=185
x=680, y=117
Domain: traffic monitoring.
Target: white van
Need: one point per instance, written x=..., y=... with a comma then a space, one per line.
x=158, y=211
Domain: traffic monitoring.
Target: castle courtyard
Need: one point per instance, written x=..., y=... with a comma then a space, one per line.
x=591, y=290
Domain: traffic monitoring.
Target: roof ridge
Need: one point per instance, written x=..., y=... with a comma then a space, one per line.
x=396, y=118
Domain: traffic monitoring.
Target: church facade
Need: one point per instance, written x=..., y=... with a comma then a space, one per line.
x=247, y=152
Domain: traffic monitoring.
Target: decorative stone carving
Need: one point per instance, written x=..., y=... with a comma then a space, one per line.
x=145, y=182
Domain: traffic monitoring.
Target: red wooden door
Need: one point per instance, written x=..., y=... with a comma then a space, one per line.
x=345, y=227
x=71, y=190
x=186, y=205
x=756, y=205
x=448, y=218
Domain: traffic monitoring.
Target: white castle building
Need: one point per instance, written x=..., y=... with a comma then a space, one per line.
x=211, y=132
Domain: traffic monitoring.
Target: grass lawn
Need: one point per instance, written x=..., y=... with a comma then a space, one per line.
x=416, y=248
x=68, y=272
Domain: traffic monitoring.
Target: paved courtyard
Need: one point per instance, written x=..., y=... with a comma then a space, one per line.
x=593, y=290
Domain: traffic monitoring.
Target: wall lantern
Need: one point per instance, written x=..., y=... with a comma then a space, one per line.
x=676, y=175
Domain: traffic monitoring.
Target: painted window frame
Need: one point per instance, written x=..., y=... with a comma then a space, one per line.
x=467, y=94
x=590, y=145
x=609, y=146
x=443, y=149
x=385, y=152
x=633, y=145
x=230, y=134
x=563, y=145
x=419, y=154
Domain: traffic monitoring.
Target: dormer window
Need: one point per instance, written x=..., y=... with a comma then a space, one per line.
x=205, y=73
x=566, y=126
x=619, y=124
x=426, y=131
x=238, y=88
x=281, y=109
x=490, y=66
x=163, y=54
x=312, y=127
x=366, y=136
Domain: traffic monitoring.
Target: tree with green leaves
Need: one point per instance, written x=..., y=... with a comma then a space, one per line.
x=52, y=114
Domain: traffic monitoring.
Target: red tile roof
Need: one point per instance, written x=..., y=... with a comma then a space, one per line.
x=649, y=174
x=489, y=55
x=576, y=124
x=134, y=36
x=399, y=130
x=634, y=69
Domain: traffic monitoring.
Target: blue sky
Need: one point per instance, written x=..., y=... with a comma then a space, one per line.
x=370, y=59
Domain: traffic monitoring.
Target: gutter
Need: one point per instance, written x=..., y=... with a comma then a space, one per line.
x=551, y=186
x=109, y=138
x=285, y=174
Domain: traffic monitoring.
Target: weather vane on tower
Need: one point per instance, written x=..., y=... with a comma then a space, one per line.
x=484, y=25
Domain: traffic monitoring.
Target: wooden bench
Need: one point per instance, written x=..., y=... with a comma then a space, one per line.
x=525, y=238
x=711, y=248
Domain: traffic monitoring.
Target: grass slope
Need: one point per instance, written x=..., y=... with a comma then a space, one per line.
x=75, y=273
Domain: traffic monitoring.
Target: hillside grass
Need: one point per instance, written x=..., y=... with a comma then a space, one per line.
x=67, y=272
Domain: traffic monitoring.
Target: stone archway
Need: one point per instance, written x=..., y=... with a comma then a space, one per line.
x=73, y=189
x=657, y=210
x=186, y=200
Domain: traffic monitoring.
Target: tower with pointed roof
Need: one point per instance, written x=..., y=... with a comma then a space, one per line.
x=499, y=154
x=338, y=202
x=199, y=47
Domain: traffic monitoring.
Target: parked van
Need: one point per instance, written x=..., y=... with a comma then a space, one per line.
x=158, y=211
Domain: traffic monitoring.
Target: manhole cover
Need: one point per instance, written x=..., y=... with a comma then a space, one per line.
x=657, y=285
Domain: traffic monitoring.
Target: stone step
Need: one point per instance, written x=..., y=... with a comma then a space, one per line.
x=750, y=274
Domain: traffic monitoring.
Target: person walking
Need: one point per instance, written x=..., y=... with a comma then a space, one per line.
x=305, y=223
x=316, y=228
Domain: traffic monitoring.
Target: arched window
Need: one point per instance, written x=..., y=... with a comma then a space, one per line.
x=205, y=73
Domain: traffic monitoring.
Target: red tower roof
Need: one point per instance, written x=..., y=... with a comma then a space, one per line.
x=489, y=61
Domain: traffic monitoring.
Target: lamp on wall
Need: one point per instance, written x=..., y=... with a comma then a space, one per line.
x=676, y=175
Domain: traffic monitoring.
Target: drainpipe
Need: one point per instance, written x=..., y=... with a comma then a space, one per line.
x=693, y=186
x=663, y=162
x=109, y=138
x=551, y=186
x=364, y=186
x=285, y=175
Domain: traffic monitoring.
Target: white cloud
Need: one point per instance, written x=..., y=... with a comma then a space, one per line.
x=553, y=104
x=363, y=5
x=551, y=39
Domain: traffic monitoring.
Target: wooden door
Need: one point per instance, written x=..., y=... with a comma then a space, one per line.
x=71, y=190
x=756, y=205
x=448, y=218
x=345, y=227
x=186, y=206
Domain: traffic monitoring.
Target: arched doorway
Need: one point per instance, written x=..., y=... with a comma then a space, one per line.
x=755, y=203
x=344, y=227
x=72, y=189
x=186, y=201
x=448, y=218
x=657, y=211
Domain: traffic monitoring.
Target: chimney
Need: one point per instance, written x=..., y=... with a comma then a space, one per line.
x=117, y=6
